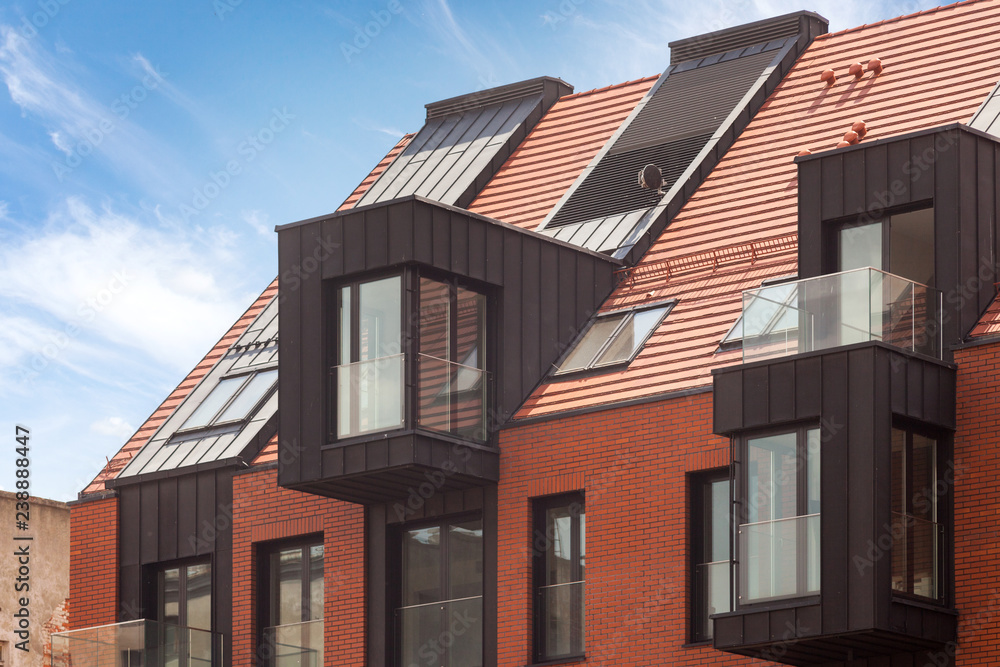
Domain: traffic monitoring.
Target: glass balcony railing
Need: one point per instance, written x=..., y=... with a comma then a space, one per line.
x=841, y=309
x=369, y=395
x=713, y=596
x=294, y=644
x=561, y=615
x=139, y=643
x=444, y=634
x=779, y=558
x=916, y=555
x=451, y=398
x=372, y=396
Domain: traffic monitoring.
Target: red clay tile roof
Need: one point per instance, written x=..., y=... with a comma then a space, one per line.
x=135, y=443
x=558, y=149
x=269, y=454
x=989, y=323
x=376, y=172
x=939, y=66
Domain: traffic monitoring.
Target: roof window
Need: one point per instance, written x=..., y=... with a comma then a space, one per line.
x=614, y=339
x=232, y=399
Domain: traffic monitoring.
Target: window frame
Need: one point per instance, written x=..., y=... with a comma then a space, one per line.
x=594, y=368
x=248, y=376
x=268, y=584
x=742, y=501
x=540, y=507
x=700, y=529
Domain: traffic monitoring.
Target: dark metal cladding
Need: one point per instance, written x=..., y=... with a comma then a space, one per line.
x=746, y=35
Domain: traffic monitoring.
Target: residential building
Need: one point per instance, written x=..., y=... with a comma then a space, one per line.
x=523, y=409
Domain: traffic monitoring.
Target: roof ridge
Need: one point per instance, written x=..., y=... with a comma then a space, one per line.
x=611, y=87
x=894, y=19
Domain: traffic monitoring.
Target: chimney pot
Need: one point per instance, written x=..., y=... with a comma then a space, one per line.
x=856, y=70
x=829, y=76
x=875, y=65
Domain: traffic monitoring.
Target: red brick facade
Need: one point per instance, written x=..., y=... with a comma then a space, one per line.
x=93, y=563
x=977, y=499
x=263, y=511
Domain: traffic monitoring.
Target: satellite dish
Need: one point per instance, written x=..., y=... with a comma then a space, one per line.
x=650, y=178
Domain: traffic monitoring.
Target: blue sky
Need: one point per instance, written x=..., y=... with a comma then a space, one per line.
x=148, y=149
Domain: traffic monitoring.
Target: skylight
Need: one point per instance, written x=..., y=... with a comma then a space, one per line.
x=232, y=399
x=614, y=339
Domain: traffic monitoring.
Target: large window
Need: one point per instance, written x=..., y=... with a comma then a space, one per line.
x=449, y=388
x=779, y=541
x=439, y=620
x=184, y=612
x=917, y=530
x=293, y=593
x=232, y=400
x=902, y=244
x=710, y=549
x=559, y=547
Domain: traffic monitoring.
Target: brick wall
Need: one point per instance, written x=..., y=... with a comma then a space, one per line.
x=977, y=504
x=265, y=512
x=93, y=579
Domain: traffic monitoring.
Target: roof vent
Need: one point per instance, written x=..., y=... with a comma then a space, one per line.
x=875, y=65
x=650, y=178
x=857, y=70
x=829, y=76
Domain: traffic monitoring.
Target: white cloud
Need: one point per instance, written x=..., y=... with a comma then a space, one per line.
x=258, y=221
x=115, y=427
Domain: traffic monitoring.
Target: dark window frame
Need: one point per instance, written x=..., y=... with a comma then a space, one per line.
x=699, y=532
x=592, y=367
x=833, y=228
x=742, y=504
x=395, y=574
x=267, y=586
x=540, y=507
x=183, y=433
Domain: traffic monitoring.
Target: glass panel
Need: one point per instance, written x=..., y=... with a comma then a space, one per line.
x=170, y=596
x=713, y=595
x=471, y=329
x=435, y=319
x=209, y=407
x=632, y=335
x=289, y=586
x=199, y=612
x=422, y=566
x=911, y=246
x=259, y=385
x=583, y=354
x=135, y=644
x=465, y=559
x=840, y=309
x=916, y=548
x=861, y=246
x=295, y=645
x=442, y=634
x=375, y=389
x=923, y=495
x=718, y=533
x=559, y=555
x=316, y=582
x=451, y=397
x=779, y=558
x=380, y=325
x=772, y=463
x=812, y=471
x=561, y=612
x=345, y=325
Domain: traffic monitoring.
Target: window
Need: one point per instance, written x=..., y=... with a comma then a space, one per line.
x=233, y=399
x=778, y=545
x=917, y=531
x=902, y=244
x=710, y=548
x=293, y=590
x=439, y=620
x=613, y=339
x=184, y=612
x=559, y=548
x=451, y=376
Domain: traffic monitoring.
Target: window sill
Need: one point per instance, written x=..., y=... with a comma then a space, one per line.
x=571, y=660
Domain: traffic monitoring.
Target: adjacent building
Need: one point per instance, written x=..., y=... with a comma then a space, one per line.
x=507, y=406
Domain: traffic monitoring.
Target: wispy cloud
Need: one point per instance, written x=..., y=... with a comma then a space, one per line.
x=258, y=221
x=469, y=44
x=115, y=427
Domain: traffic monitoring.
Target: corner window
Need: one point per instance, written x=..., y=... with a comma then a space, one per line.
x=613, y=339
x=917, y=531
x=369, y=371
x=293, y=595
x=232, y=400
x=778, y=544
x=559, y=548
x=439, y=620
x=184, y=612
x=710, y=549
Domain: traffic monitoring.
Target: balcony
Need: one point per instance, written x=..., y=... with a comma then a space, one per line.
x=447, y=633
x=141, y=643
x=294, y=644
x=779, y=559
x=841, y=309
x=561, y=619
